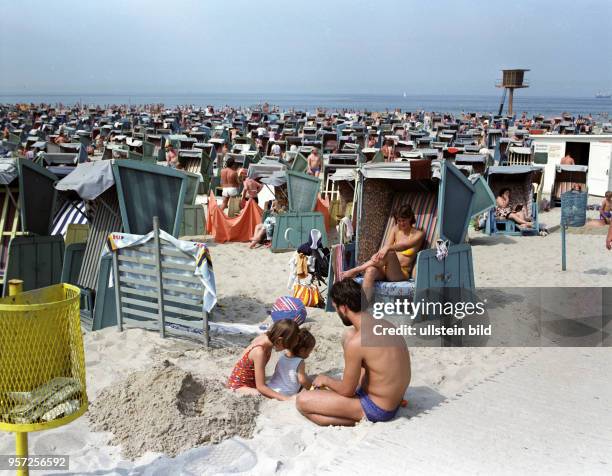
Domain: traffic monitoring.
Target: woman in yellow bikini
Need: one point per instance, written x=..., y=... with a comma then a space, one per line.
x=395, y=260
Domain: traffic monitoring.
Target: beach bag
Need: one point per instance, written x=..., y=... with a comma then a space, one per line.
x=287, y=307
x=314, y=247
x=308, y=293
x=233, y=207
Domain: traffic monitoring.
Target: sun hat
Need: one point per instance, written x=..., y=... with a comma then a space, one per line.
x=288, y=307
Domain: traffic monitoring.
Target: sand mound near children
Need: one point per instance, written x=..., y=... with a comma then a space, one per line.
x=165, y=409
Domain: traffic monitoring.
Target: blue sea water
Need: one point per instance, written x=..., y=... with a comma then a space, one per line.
x=548, y=106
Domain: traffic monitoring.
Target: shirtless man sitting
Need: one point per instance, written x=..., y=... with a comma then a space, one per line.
x=395, y=260
x=374, y=379
x=314, y=163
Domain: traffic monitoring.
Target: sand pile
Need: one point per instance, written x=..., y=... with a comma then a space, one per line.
x=165, y=409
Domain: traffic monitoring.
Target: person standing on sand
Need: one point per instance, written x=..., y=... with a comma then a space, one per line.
x=229, y=182
x=314, y=163
x=609, y=238
x=171, y=157
x=252, y=187
x=374, y=379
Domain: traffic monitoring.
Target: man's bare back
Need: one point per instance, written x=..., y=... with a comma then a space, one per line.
x=386, y=368
x=229, y=177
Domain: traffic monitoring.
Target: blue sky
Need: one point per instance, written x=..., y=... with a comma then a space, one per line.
x=340, y=46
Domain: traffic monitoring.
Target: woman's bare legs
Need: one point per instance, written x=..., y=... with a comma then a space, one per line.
x=520, y=219
x=351, y=273
x=388, y=269
x=258, y=235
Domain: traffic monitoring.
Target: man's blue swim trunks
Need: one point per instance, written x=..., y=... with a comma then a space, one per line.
x=372, y=411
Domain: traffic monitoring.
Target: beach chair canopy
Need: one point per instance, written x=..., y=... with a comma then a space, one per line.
x=147, y=190
x=395, y=170
x=265, y=168
x=8, y=170
x=520, y=150
x=277, y=179
x=36, y=193
x=36, y=196
x=302, y=190
x=455, y=204
x=510, y=169
x=572, y=168
x=89, y=180
x=344, y=175
x=470, y=159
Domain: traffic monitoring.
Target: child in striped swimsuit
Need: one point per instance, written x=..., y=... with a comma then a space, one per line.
x=249, y=374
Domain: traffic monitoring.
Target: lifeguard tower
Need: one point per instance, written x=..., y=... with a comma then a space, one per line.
x=512, y=79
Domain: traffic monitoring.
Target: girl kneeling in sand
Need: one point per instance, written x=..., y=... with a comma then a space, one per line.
x=249, y=374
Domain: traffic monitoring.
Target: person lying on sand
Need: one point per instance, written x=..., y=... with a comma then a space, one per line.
x=249, y=373
x=374, y=379
x=290, y=373
x=395, y=260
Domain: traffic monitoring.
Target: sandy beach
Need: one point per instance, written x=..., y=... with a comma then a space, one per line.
x=179, y=179
x=284, y=442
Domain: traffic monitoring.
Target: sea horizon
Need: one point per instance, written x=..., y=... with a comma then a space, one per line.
x=450, y=103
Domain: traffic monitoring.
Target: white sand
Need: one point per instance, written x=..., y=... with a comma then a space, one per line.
x=248, y=282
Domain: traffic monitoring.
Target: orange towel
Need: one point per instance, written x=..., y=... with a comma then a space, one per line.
x=240, y=228
x=322, y=206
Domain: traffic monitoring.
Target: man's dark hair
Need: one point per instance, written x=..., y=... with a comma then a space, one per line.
x=229, y=163
x=347, y=293
x=503, y=190
x=406, y=212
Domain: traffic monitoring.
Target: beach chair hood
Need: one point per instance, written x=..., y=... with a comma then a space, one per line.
x=454, y=204
x=89, y=180
x=8, y=170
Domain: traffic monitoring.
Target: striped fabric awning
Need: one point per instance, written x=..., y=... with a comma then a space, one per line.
x=69, y=213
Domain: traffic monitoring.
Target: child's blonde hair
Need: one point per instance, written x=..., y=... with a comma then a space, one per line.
x=286, y=330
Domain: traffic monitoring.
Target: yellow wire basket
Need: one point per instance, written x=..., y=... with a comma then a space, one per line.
x=42, y=362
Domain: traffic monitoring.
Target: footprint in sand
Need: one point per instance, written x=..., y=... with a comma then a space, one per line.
x=231, y=456
x=598, y=271
x=65, y=442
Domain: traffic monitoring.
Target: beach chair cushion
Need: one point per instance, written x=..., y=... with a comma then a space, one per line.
x=387, y=291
